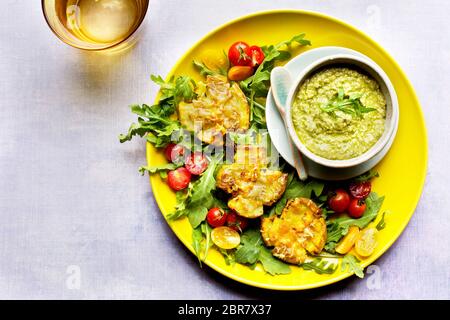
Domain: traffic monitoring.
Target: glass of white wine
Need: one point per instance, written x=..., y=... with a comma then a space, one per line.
x=95, y=24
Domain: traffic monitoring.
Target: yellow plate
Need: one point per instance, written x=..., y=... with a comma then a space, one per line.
x=402, y=172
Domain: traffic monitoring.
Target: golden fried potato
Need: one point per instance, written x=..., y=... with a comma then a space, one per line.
x=218, y=108
x=300, y=230
x=249, y=181
x=248, y=154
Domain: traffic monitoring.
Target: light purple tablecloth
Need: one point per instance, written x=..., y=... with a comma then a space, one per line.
x=77, y=220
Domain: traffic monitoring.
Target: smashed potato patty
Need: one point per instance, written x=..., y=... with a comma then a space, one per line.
x=218, y=108
x=250, y=182
x=299, y=230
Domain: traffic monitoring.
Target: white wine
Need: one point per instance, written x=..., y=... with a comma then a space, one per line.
x=103, y=21
x=93, y=24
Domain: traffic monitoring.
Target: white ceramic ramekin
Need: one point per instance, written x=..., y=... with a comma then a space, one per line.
x=392, y=111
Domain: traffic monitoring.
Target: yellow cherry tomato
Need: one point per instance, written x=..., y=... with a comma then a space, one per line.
x=225, y=237
x=215, y=60
x=239, y=73
x=346, y=244
x=366, y=242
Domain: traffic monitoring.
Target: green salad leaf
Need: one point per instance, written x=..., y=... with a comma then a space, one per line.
x=320, y=266
x=206, y=230
x=197, y=214
x=179, y=89
x=369, y=175
x=252, y=250
x=201, y=241
x=197, y=243
x=205, y=71
x=207, y=182
x=350, y=104
x=381, y=224
x=334, y=233
x=155, y=120
x=352, y=264
x=229, y=256
x=248, y=251
x=161, y=168
x=299, y=38
x=272, y=265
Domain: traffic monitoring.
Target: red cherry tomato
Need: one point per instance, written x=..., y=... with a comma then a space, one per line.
x=236, y=222
x=178, y=179
x=356, y=208
x=238, y=54
x=360, y=190
x=196, y=163
x=256, y=54
x=174, y=153
x=216, y=217
x=339, y=200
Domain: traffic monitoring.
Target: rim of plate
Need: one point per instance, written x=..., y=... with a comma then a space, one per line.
x=374, y=257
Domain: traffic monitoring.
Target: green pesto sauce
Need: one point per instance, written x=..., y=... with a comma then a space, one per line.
x=338, y=135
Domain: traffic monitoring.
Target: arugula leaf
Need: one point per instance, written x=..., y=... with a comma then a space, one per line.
x=155, y=169
x=381, y=224
x=155, y=120
x=252, y=250
x=134, y=129
x=248, y=251
x=164, y=109
x=320, y=266
x=207, y=182
x=206, y=230
x=205, y=71
x=197, y=214
x=179, y=89
x=350, y=104
x=258, y=112
x=182, y=197
x=299, y=38
x=326, y=213
x=184, y=89
x=158, y=141
x=351, y=263
x=335, y=231
x=158, y=122
x=272, y=265
x=296, y=188
x=369, y=175
x=229, y=256
x=197, y=243
x=201, y=241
